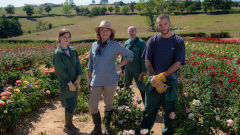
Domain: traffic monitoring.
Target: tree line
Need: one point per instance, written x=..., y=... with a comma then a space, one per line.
x=159, y=6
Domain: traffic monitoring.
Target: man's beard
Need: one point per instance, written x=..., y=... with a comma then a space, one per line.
x=165, y=32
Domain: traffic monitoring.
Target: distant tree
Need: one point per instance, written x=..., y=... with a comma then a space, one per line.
x=48, y=8
x=132, y=6
x=171, y=6
x=149, y=11
x=9, y=27
x=121, y=3
x=85, y=11
x=95, y=11
x=67, y=8
x=77, y=9
x=98, y=11
x=117, y=9
x=125, y=10
x=216, y=4
x=110, y=9
x=139, y=6
x=29, y=10
x=93, y=1
x=206, y=4
x=103, y=10
x=181, y=7
x=10, y=9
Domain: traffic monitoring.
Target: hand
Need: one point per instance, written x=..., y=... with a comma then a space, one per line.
x=71, y=86
x=124, y=62
x=141, y=76
x=157, y=81
x=161, y=77
x=77, y=82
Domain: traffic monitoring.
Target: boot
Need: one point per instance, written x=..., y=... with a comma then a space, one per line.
x=69, y=127
x=97, y=122
x=73, y=126
x=107, y=120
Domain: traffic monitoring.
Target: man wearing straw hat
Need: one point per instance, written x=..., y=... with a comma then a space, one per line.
x=102, y=74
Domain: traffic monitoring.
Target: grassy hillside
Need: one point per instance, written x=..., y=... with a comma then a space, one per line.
x=82, y=27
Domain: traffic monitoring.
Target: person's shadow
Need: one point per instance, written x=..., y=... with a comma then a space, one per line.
x=25, y=124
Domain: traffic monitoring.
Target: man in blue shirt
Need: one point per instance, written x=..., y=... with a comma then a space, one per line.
x=164, y=54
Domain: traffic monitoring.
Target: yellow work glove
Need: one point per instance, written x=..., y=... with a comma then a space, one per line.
x=77, y=82
x=71, y=86
x=157, y=81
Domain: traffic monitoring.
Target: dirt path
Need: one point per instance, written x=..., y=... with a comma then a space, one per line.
x=49, y=120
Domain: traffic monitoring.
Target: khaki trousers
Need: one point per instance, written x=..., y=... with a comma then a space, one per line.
x=95, y=96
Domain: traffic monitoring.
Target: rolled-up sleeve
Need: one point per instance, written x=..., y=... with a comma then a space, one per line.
x=126, y=54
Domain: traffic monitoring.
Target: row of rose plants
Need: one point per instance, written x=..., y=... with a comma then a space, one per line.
x=209, y=91
x=127, y=114
x=217, y=40
x=28, y=80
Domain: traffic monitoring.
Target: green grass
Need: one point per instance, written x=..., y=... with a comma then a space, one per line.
x=82, y=27
x=209, y=23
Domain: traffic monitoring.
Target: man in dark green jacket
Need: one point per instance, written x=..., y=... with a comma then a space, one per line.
x=135, y=69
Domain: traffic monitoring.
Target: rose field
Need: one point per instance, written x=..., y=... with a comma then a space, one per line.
x=209, y=88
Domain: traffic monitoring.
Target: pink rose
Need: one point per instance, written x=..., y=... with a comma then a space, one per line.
x=172, y=115
x=230, y=123
x=187, y=109
x=144, y=131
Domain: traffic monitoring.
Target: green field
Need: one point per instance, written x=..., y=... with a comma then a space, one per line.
x=82, y=27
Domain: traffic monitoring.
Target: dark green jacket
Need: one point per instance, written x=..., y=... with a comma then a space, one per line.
x=138, y=64
x=67, y=69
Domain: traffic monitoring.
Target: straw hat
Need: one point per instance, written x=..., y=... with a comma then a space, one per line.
x=105, y=24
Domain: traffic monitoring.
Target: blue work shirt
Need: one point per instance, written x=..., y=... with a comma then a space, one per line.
x=102, y=65
x=163, y=52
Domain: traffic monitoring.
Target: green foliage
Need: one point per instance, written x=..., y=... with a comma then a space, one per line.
x=216, y=4
x=9, y=27
x=48, y=8
x=67, y=8
x=117, y=9
x=29, y=10
x=125, y=10
x=149, y=11
x=132, y=6
x=10, y=9
x=220, y=35
x=98, y=11
x=110, y=9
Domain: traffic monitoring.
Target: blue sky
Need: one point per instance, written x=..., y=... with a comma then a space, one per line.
x=19, y=3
